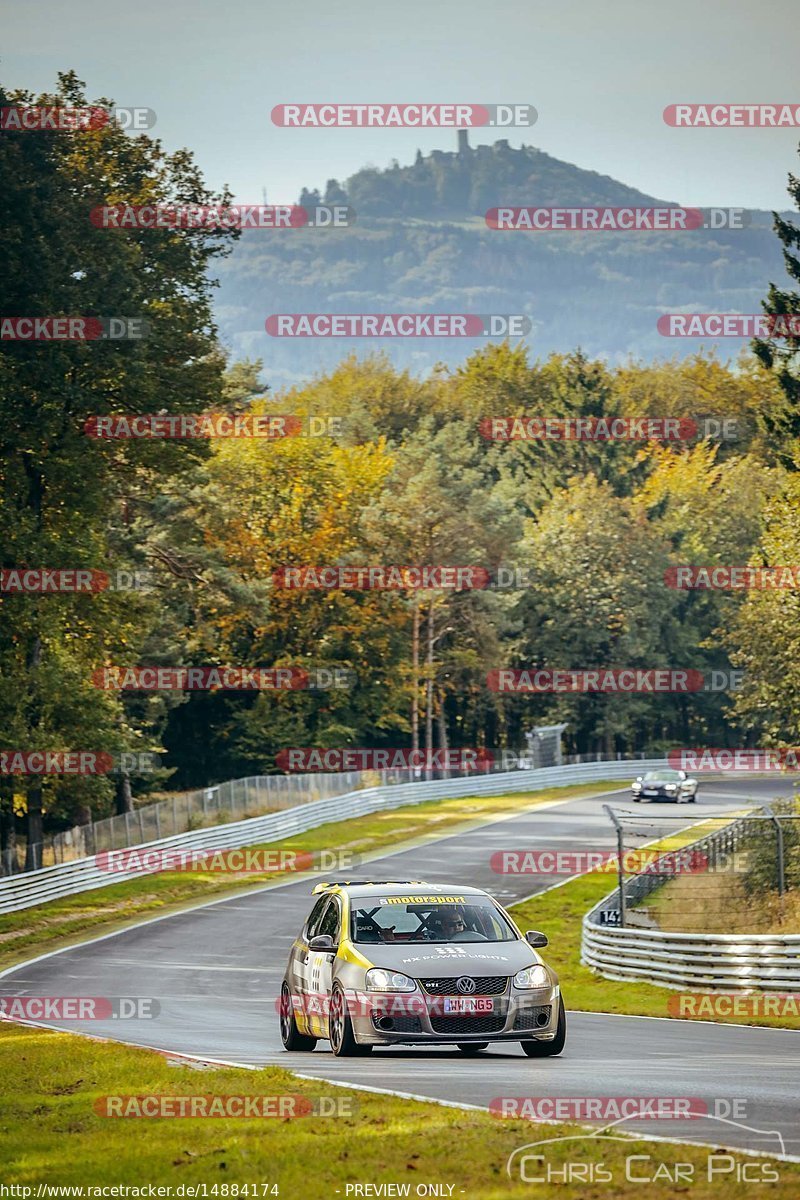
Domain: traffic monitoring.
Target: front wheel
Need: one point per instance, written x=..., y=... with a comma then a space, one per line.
x=340, y=1027
x=472, y=1047
x=547, y=1049
x=291, y=1036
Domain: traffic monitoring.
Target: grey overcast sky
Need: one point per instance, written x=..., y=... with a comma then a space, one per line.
x=599, y=73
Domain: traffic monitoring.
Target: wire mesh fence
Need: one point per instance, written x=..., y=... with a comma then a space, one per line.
x=726, y=872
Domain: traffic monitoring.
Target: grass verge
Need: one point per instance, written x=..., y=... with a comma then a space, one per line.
x=64, y=922
x=51, y=1133
x=698, y=903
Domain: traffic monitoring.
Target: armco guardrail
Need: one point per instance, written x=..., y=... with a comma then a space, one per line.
x=709, y=960
x=731, y=961
x=66, y=879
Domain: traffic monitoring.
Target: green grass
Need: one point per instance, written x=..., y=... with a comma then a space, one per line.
x=51, y=1132
x=63, y=922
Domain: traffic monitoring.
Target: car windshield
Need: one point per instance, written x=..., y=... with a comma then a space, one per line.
x=443, y=919
x=663, y=777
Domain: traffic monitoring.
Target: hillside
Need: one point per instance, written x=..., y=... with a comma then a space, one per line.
x=420, y=243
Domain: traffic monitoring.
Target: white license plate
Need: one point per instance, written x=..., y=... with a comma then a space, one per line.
x=649, y=793
x=468, y=1004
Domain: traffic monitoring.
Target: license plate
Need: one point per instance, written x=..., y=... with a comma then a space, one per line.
x=468, y=1004
x=649, y=793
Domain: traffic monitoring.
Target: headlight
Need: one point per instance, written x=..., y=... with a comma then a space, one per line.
x=532, y=977
x=378, y=980
x=636, y=787
x=672, y=787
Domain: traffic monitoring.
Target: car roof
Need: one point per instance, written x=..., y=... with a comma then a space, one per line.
x=363, y=889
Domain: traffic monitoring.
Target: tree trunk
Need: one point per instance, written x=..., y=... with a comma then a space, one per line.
x=123, y=800
x=8, y=832
x=35, y=828
x=415, y=678
x=610, y=741
x=429, y=694
x=443, y=744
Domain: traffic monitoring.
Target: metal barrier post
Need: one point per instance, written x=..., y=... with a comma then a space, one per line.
x=620, y=866
x=779, y=849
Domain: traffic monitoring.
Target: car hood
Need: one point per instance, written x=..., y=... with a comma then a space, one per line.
x=451, y=959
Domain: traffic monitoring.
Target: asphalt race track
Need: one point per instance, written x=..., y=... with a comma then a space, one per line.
x=216, y=972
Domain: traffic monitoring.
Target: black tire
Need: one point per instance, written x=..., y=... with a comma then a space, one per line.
x=548, y=1049
x=636, y=799
x=291, y=1036
x=472, y=1047
x=340, y=1027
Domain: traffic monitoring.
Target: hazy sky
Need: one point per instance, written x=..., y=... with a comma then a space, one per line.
x=599, y=73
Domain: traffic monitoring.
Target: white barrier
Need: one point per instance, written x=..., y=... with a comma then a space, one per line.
x=66, y=879
x=695, y=960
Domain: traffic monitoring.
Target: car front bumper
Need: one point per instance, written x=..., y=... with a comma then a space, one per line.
x=417, y=1018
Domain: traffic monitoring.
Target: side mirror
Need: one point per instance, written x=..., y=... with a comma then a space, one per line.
x=638, y=779
x=536, y=939
x=322, y=943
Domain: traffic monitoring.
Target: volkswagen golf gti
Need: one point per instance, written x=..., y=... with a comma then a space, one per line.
x=383, y=963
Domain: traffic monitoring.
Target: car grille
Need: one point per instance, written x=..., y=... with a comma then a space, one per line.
x=486, y=1023
x=485, y=985
x=526, y=1017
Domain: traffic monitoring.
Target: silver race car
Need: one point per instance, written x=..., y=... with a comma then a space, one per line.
x=386, y=962
x=663, y=784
